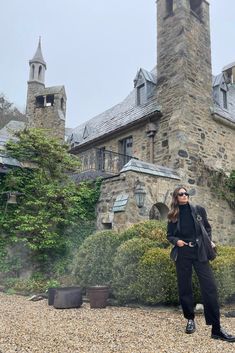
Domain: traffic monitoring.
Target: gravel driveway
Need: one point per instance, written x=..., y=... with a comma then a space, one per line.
x=35, y=327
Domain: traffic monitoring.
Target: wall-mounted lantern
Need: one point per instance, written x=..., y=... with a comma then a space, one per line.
x=140, y=195
x=11, y=198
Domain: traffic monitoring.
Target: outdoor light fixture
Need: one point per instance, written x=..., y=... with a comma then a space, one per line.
x=11, y=198
x=140, y=195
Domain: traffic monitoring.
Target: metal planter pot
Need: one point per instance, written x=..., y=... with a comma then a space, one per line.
x=66, y=297
x=98, y=296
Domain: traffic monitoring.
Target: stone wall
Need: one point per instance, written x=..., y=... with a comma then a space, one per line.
x=188, y=138
x=158, y=192
x=141, y=143
x=47, y=117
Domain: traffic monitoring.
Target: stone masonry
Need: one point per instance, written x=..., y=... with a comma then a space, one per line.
x=189, y=136
x=46, y=106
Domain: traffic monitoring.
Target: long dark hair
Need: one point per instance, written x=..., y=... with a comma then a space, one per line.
x=174, y=207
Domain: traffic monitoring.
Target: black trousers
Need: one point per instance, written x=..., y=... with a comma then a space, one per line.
x=188, y=258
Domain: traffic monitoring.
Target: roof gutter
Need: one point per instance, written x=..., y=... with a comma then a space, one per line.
x=222, y=120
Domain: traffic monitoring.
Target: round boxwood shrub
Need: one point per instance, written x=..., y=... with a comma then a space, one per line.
x=157, y=282
x=224, y=270
x=93, y=262
x=153, y=229
x=125, y=268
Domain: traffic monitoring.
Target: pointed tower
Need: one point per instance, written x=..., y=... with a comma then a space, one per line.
x=46, y=106
x=37, y=67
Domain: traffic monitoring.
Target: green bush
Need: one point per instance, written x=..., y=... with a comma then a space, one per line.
x=125, y=268
x=157, y=278
x=154, y=230
x=30, y=285
x=146, y=274
x=93, y=262
x=224, y=270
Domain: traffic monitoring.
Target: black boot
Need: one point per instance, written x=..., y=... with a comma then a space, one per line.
x=190, y=327
x=222, y=335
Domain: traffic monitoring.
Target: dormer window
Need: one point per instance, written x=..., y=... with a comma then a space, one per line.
x=141, y=94
x=225, y=98
x=196, y=8
x=85, y=133
x=145, y=83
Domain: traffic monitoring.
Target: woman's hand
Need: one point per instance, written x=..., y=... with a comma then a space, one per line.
x=181, y=243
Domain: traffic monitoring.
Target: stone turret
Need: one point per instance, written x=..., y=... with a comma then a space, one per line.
x=184, y=81
x=46, y=106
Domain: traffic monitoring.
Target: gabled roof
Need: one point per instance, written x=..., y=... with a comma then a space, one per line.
x=216, y=80
x=148, y=76
x=114, y=119
x=219, y=80
x=226, y=115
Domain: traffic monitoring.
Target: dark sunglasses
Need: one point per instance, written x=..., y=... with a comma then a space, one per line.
x=183, y=193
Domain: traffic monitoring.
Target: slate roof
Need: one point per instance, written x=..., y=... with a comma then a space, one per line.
x=218, y=82
x=223, y=113
x=7, y=132
x=149, y=168
x=38, y=57
x=51, y=90
x=115, y=118
x=127, y=112
x=149, y=76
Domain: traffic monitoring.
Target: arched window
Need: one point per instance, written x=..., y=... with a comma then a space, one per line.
x=39, y=72
x=62, y=104
x=196, y=7
x=33, y=71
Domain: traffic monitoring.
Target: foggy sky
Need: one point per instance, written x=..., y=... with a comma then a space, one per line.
x=93, y=47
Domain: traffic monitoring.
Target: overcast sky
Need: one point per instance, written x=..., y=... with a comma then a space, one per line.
x=93, y=47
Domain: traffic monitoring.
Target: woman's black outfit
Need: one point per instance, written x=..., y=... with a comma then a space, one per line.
x=188, y=229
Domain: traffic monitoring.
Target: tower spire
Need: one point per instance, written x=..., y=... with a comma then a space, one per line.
x=37, y=66
x=38, y=57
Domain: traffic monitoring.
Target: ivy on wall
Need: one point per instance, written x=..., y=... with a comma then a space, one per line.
x=49, y=201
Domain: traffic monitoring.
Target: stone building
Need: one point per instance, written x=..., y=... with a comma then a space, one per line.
x=46, y=106
x=176, y=127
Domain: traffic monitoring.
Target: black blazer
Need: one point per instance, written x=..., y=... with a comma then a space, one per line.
x=173, y=232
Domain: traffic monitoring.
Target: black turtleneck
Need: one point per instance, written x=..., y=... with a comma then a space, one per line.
x=187, y=226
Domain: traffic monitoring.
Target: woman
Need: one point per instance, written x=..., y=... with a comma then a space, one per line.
x=184, y=232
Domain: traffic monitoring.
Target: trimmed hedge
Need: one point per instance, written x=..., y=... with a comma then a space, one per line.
x=154, y=230
x=157, y=278
x=125, y=268
x=136, y=264
x=224, y=271
x=93, y=263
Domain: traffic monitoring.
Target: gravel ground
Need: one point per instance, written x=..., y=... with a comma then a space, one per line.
x=35, y=327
